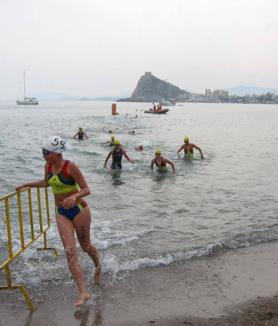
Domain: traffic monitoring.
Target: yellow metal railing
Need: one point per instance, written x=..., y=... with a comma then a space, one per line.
x=25, y=241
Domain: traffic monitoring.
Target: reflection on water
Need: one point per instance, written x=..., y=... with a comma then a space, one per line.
x=83, y=315
x=161, y=176
x=28, y=319
x=116, y=177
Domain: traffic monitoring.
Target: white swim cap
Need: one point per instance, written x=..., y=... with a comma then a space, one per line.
x=55, y=144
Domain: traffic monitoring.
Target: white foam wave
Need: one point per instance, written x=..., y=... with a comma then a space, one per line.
x=162, y=260
x=121, y=239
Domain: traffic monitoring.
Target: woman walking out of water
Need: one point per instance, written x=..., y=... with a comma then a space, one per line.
x=161, y=162
x=188, y=149
x=117, y=154
x=81, y=134
x=72, y=212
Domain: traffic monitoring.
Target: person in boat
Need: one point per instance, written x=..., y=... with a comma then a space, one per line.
x=72, y=211
x=117, y=153
x=188, y=149
x=80, y=134
x=159, y=108
x=161, y=162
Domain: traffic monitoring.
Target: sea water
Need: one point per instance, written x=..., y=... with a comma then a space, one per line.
x=142, y=218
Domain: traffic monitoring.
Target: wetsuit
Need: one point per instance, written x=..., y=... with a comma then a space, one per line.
x=117, y=159
x=63, y=183
x=80, y=135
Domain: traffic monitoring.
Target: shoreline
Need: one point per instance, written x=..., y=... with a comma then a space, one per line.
x=226, y=289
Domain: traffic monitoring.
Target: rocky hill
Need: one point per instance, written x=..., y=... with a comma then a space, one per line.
x=152, y=89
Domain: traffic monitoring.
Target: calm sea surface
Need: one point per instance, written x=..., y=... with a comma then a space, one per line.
x=142, y=218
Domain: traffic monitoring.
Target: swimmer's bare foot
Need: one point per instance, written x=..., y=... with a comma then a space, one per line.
x=97, y=274
x=82, y=298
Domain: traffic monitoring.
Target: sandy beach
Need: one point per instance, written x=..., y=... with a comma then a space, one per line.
x=236, y=287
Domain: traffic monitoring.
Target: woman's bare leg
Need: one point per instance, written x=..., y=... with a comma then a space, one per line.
x=66, y=230
x=82, y=224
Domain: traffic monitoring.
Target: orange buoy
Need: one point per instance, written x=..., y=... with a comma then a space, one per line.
x=114, y=109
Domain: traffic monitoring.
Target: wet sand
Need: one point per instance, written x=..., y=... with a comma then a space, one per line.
x=236, y=287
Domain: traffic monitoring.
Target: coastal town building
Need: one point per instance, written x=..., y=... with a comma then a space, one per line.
x=224, y=95
x=208, y=93
x=216, y=95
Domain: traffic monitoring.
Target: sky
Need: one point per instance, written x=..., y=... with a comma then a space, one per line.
x=102, y=47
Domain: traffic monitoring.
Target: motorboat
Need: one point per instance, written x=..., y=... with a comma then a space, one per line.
x=157, y=111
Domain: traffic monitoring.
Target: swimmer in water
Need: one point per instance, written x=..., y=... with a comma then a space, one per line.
x=189, y=148
x=139, y=148
x=80, y=134
x=110, y=142
x=72, y=211
x=161, y=162
x=117, y=154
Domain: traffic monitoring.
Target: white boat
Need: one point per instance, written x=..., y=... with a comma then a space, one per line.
x=26, y=100
x=167, y=103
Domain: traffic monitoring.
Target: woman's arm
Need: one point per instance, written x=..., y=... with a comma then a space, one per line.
x=107, y=158
x=199, y=149
x=74, y=171
x=152, y=163
x=127, y=157
x=36, y=184
x=171, y=163
x=180, y=149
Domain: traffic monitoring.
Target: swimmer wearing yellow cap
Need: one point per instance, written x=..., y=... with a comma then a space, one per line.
x=117, y=154
x=161, y=162
x=111, y=141
x=189, y=148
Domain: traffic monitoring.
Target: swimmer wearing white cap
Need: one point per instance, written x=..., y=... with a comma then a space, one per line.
x=72, y=212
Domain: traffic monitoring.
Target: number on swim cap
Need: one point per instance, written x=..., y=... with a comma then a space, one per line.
x=55, y=144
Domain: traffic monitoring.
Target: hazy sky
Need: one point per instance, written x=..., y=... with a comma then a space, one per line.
x=98, y=47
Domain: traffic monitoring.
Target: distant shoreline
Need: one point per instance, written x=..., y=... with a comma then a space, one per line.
x=269, y=98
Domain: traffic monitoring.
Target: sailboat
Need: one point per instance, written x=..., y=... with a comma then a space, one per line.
x=26, y=100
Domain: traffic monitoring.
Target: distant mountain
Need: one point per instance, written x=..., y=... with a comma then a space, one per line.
x=152, y=89
x=249, y=90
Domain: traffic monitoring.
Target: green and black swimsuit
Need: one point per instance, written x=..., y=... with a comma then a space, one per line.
x=63, y=183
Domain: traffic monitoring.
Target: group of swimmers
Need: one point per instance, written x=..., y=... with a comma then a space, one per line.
x=72, y=211
x=159, y=161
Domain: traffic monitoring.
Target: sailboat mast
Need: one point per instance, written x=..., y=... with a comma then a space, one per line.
x=24, y=83
x=26, y=100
